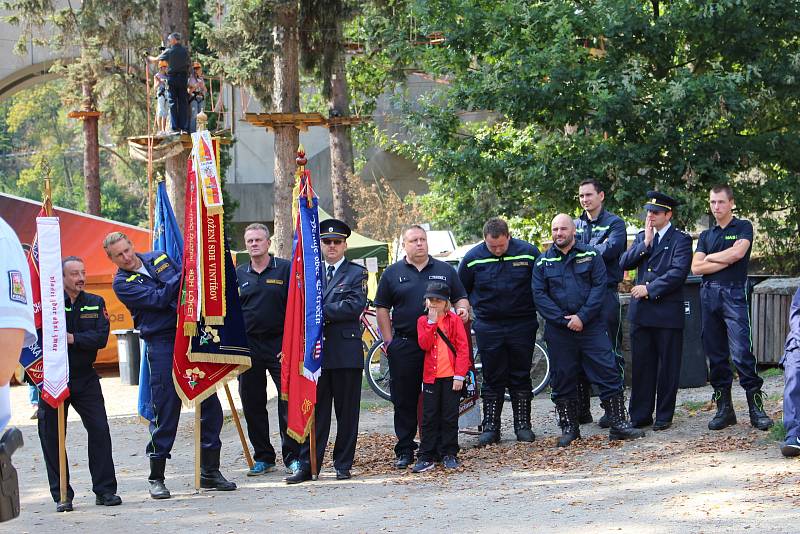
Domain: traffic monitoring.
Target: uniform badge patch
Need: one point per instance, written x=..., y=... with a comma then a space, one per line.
x=583, y=260
x=520, y=264
x=16, y=287
x=276, y=281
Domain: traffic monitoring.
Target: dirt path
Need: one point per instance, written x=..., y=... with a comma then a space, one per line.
x=685, y=479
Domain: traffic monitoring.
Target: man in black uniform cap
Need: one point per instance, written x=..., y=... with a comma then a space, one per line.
x=497, y=276
x=662, y=255
x=263, y=291
x=401, y=291
x=87, y=332
x=344, y=298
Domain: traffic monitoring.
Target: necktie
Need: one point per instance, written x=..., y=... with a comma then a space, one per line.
x=330, y=274
x=655, y=241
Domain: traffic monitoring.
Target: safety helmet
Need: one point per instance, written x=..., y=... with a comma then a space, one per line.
x=162, y=63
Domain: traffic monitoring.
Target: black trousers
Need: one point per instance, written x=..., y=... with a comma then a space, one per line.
x=86, y=397
x=340, y=388
x=253, y=392
x=178, y=98
x=405, y=369
x=506, y=350
x=656, y=368
x=439, y=420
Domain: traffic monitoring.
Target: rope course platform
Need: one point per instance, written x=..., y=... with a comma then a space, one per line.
x=83, y=114
x=224, y=137
x=301, y=121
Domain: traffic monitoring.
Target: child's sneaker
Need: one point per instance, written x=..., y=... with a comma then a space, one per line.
x=450, y=462
x=422, y=466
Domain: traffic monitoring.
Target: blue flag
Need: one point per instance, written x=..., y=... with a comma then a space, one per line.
x=166, y=237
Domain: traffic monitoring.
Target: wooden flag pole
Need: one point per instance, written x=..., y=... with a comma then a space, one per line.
x=61, y=414
x=62, y=452
x=312, y=435
x=197, y=423
x=238, y=422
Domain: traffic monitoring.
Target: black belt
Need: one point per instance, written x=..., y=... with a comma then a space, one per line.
x=723, y=283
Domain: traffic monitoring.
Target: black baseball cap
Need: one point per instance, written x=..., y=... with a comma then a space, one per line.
x=437, y=290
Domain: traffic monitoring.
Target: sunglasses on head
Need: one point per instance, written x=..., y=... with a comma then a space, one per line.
x=332, y=241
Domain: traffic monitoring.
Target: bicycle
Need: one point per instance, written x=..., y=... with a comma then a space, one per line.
x=376, y=364
x=540, y=368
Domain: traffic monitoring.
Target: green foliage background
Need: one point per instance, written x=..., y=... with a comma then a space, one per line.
x=675, y=96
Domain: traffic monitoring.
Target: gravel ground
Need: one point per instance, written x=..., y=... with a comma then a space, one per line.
x=685, y=479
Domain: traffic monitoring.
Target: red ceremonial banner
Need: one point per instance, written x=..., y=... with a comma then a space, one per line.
x=191, y=291
x=213, y=267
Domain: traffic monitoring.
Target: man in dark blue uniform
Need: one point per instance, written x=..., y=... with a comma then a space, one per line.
x=87, y=332
x=263, y=291
x=722, y=256
x=662, y=256
x=401, y=291
x=605, y=232
x=344, y=299
x=497, y=276
x=569, y=284
x=149, y=284
x=791, y=376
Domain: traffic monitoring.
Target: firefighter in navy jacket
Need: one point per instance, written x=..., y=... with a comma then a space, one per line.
x=569, y=284
x=149, y=285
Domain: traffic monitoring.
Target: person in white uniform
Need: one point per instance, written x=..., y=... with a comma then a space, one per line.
x=16, y=329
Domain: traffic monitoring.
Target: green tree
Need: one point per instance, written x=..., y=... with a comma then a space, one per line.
x=37, y=138
x=641, y=94
x=105, y=75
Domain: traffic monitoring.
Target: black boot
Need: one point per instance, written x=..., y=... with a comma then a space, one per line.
x=210, y=477
x=758, y=417
x=621, y=427
x=521, y=405
x=568, y=421
x=157, y=488
x=584, y=401
x=492, y=409
x=725, y=416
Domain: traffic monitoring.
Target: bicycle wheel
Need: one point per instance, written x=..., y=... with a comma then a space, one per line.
x=376, y=365
x=540, y=369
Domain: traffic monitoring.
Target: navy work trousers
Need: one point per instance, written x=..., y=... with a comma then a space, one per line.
x=589, y=350
x=167, y=404
x=726, y=334
x=506, y=349
x=791, y=393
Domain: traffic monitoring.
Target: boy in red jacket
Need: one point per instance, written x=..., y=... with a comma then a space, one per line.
x=442, y=336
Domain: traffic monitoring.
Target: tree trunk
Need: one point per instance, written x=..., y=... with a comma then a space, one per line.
x=91, y=166
x=341, y=143
x=91, y=153
x=175, y=171
x=174, y=17
x=285, y=99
